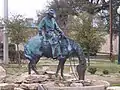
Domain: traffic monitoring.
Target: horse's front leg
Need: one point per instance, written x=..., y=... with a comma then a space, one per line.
x=81, y=71
x=62, y=67
x=81, y=68
x=58, y=68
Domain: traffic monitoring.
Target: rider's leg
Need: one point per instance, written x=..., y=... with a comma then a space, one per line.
x=55, y=46
x=52, y=47
x=53, y=51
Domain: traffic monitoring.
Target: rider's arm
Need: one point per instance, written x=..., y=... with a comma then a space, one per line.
x=41, y=26
x=57, y=27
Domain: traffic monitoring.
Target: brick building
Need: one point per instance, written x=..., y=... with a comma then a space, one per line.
x=106, y=47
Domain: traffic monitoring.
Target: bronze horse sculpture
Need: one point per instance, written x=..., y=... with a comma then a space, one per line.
x=45, y=50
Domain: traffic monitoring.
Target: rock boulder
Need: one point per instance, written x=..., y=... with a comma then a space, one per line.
x=2, y=74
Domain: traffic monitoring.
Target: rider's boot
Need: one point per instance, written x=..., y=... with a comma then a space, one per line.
x=60, y=56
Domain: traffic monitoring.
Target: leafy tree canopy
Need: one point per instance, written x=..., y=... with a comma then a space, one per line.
x=86, y=31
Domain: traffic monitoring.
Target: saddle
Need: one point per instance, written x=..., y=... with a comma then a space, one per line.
x=62, y=42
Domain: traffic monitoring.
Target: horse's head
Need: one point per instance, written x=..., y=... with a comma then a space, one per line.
x=81, y=68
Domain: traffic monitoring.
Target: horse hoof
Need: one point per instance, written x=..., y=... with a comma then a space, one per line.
x=37, y=73
x=63, y=79
x=29, y=73
x=56, y=75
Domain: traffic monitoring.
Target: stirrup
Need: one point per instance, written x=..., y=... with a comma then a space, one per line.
x=54, y=57
x=60, y=57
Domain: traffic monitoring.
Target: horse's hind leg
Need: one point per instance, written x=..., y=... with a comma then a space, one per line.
x=36, y=61
x=33, y=66
x=29, y=68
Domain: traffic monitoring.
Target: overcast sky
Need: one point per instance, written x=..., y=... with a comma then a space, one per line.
x=25, y=7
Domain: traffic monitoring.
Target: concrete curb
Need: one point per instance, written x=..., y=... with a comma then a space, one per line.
x=99, y=87
x=113, y=88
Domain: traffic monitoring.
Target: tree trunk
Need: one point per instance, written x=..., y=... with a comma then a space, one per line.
x=18, y=55
x=88, y=55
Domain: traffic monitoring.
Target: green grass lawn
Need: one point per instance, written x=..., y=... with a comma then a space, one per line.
x=106, y=65
x=100, y=65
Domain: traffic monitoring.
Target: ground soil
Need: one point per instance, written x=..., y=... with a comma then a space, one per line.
x=113, y=79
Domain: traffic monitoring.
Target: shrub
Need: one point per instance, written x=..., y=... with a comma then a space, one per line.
x=119, y=72
x=92, y=70
x=105, y=72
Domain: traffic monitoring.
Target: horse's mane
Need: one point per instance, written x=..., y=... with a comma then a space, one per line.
x=73, y=42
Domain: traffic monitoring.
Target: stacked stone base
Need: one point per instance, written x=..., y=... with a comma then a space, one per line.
x=49, y=82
